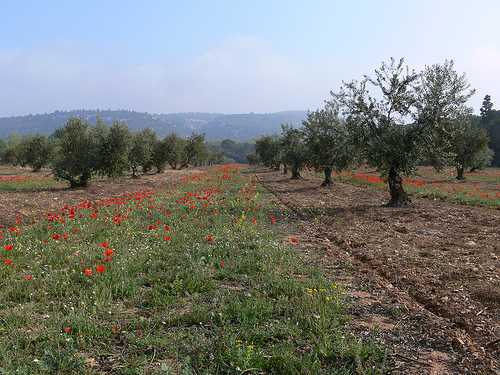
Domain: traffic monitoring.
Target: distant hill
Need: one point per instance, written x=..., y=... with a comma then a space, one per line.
x=238, y=126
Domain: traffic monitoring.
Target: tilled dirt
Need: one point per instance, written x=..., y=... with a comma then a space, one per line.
x=423, y=281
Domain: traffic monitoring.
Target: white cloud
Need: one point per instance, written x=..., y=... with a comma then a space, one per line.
x=241, y=74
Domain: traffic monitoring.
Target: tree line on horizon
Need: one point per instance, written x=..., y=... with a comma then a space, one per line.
x=78, y=151
x=411, y=119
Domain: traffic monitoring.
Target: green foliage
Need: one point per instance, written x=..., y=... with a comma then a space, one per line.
x=150, y=140
x=77, y=153
x=13, y=153
x=115, y=148
x=267, y=147
x=140, y=151
x=490, y=120
x=470, y=147
x=195, y=149
x=435, y=100
x=173, y=145
x=293, y=149
x=329, y=146
x=37, y=149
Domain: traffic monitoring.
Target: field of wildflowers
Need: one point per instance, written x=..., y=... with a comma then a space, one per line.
x=188, y=279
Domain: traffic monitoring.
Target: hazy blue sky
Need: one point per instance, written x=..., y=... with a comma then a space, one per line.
x=233, y=56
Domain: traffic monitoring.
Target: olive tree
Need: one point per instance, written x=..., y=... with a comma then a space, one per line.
x=37, y=149
x=328, y=142
x=173, y=145
x=115, y=148
x=195, y=149
x=411, y=114
x=76, y=156
x=267, y=148
x=140, y=151
x=293, y=149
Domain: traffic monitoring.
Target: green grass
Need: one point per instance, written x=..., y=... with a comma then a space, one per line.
x=218, y=292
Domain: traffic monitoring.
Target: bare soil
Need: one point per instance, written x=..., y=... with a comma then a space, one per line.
x=423, y=281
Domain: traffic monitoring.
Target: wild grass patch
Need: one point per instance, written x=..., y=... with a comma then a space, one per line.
x=189, y=279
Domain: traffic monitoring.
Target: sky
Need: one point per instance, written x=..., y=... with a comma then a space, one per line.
x=230, y=56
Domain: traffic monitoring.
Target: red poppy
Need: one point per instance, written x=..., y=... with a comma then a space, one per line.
x=272, y=219
x=100, y=268
x=167, y=228
x=12, y=229
x=109, y=252
x=152, y=227
x=56, y=236
x=209, y=239
x=8, y=261
x=28, y=277
x=67, y=330
x=293, y=239
x=88, y=272
x=104, y=244
x=9, y=247
x=75, y=230
x=166, y=238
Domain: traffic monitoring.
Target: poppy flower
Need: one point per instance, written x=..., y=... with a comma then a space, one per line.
x=88, y=272
x=152, y=227
x=209, y=239
x=12, y=229
x=109, y=252
x=28, y=277
x=56, y=236
x=100, y=268
x=272, y=219
x=167, y=228
x=166, y=238
x=293, y=239
x=104, y=244
x=9, y=247
x=75, y=230
x=67, y=330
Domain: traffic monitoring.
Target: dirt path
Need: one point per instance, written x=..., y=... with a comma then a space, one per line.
x=425, y=279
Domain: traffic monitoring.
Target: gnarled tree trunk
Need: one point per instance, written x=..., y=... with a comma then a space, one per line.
x=399, y=197
x=328, y=177
x=295, y=172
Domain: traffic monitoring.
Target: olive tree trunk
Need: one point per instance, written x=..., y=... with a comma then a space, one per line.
x=399, y=197
x=328, y=177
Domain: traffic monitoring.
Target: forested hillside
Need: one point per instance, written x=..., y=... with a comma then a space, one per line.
x=240, y=126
